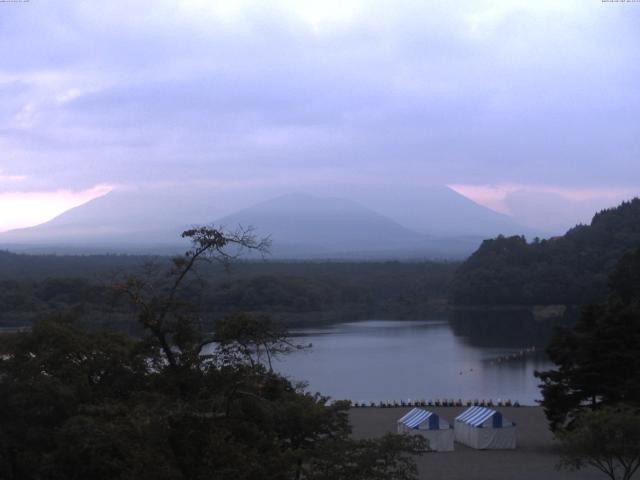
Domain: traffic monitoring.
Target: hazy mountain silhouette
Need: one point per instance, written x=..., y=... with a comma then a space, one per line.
x=305, y=225
x=438, y=210
x=121, y=220
x=300, y=225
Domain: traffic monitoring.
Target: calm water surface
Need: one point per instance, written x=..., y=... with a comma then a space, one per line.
x=395, y=360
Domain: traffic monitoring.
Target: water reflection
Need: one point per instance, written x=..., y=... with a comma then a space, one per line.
x=506, y=328
x=387, y=360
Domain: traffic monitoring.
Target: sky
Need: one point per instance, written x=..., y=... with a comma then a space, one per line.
x=528, y=107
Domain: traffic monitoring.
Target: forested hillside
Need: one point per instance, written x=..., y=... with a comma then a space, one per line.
x=31, y=287
x=15, y=266
x=571, y=269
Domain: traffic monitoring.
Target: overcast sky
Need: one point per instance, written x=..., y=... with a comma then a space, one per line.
x=510, y=102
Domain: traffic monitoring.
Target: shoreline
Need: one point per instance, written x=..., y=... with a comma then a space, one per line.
x=444, y=403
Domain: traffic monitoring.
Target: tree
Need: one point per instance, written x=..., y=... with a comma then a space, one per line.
x=567, y=270
x=244, y=338
x=57, y=376
x=598, y=360
x=171, y=404
x=607, y=439
x=373, y=459
x=156, y=297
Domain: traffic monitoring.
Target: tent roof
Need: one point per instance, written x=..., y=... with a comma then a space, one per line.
x=415, y=417
x=475, y=416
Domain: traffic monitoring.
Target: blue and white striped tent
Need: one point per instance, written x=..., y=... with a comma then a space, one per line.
x=477, y=416
x=484, y=428
x=436, y=430
x=421, y=419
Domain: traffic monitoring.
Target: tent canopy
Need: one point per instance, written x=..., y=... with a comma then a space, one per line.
x=483, y=428
x=418, y=417
x=438, y=433
x=477, y=416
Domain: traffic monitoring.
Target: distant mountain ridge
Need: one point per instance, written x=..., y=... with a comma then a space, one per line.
x=298, y=222
x=571, y=269
x=122, y=221
x=300, y=225
x=440, y=211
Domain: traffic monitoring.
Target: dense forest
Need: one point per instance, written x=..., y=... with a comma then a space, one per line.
x=33, y=286
x=505, y=271
x=570, y=270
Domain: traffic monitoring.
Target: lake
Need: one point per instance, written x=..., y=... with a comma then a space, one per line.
x=401, y=360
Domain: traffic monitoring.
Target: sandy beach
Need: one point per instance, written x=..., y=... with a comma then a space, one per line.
x=535, y=457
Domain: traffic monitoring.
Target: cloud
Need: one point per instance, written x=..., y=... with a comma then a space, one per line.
x=552, y=208
x=10, y=178
x=488, y=92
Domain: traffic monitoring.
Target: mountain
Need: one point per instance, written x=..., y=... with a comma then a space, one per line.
x=438, y=210
x=302, y=226
x=121, y=221
x=320, y=223
x=307, y=226
x=571, y=269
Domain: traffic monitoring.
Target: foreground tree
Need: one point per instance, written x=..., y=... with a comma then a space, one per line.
x=598, y=360
x=607, y=439
x=172, y=404
x=158, y=296
x=378, y=459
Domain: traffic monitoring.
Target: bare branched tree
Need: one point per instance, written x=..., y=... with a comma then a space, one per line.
x=254, y=341
x=156, y=295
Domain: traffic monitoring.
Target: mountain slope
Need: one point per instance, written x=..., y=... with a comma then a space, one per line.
x=122, y=220
x=150, y=221
x=571, y=269
x=315, y=224
x=438, y=210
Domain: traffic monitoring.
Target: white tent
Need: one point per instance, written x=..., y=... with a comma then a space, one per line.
x=438, y=432
x=484, y=428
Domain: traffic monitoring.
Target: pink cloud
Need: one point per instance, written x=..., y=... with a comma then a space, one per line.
x=496, y=196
